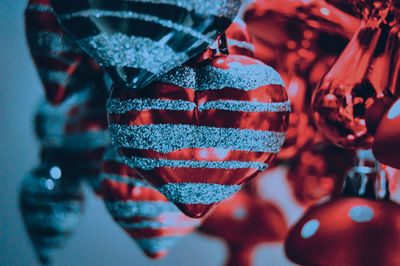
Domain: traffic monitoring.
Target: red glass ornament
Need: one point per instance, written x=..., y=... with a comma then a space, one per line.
x=63, y=67
x=244, y=222
x=362, y=78
x=239, y=39
x=318, y=171
x=141, y=210
x=192, y=133
x=386, y=146
x=300, y=39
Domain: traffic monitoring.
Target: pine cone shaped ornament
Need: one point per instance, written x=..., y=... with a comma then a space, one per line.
x=62, y=66
x=202, y=131
x=51, y=203
x=142, y=211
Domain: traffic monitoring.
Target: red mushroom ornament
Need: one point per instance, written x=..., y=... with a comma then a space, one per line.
x=359, y=228
x=244, y=222
x=386, y=146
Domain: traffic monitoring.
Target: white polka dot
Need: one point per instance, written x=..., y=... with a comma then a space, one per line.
x=55, y=172
x=49, y=184
x=361, y=214
x=325, y=11
x=309, y=229
x=239, y=213
x=394, y=111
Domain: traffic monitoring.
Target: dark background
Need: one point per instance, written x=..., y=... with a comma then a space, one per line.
x=98, y=241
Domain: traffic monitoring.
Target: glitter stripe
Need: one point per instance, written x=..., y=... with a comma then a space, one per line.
x=95, y=13
x=241, y=44
x=159, y=225
x=213, y=8
x=145, y=209
x=247, y=77
x=40, y=8
x=125, y=180
x=168, y=137
x=157, y=244
x=120, y=107
x=120, y=50
x=149, y=164
x=197, y=193
x=50, y=43
x=58, y=77
x=243, y=106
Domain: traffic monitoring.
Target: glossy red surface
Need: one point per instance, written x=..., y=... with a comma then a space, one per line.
x=386, y=146
x=243, y=222
x=348, y=232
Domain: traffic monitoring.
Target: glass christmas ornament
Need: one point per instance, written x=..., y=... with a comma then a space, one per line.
x=51, y=203
x=300, y=39
x=363, y=77
x=136, y=41
x=62, y=66
x=357, y=228
x=244, y=221
x=141, y=210
x=202, y=131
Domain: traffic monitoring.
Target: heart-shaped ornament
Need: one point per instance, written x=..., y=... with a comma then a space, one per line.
x=201, y=132
x=63, y=67
x=138, y=40
x=140, y=209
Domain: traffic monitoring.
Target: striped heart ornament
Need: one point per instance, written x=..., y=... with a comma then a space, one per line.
x=62, y=66
x=201, y=132
x=140, y=209
x=137, y=40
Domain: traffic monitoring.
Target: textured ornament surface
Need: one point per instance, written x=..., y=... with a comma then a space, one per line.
x=62, y=66
x=141, y=210
x=386, y=146
x=200, y=132
x=51, y=206
x=136, y=41
x=346, y=231
x=77, y=131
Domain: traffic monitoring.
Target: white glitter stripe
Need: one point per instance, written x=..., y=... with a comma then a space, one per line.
x=40, y=8
x=168, y=137
x=159, y=225
x=50, y=43
x=58, y=77
x=145, y=209
x=121, y=50
x=157, y=244
x=149, y=164
x=197, y=193
x=125, y=180
x=243, y=106
x=134, y=15
x=226, y=8
x=120, y=107
x=241, y=44
x=247, y=77
x=87, y=140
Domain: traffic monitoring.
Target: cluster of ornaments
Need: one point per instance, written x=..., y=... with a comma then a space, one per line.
x=169, y=108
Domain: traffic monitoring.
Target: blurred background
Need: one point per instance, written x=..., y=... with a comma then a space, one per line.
x=98, y=240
